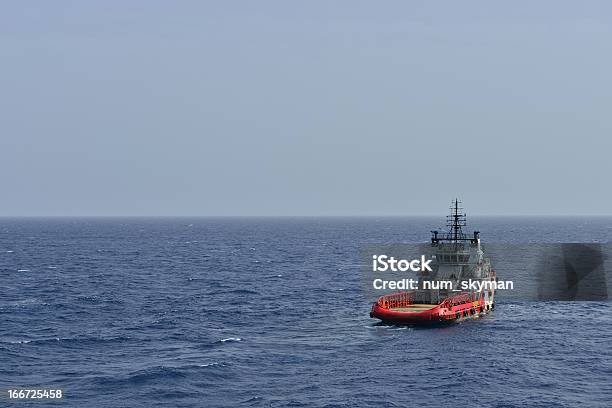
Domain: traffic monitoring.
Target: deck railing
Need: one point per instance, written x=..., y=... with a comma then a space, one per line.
x=405, y=299
x=402, y=299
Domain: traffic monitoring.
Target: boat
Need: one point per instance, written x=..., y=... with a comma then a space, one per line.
x=461, y=283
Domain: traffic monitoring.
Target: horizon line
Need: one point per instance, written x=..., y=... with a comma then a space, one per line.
x=287, y=216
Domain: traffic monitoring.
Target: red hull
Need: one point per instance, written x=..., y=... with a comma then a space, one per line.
x=391, y=310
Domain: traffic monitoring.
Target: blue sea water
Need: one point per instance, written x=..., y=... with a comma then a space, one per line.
x=270, y=312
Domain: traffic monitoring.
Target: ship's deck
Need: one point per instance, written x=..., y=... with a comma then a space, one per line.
x=415, y=308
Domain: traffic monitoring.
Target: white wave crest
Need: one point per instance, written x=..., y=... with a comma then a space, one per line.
x=231, y=339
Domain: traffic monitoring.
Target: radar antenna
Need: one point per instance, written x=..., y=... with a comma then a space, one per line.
x=455, y=221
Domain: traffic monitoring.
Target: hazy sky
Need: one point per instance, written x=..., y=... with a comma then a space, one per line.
x=305, y=107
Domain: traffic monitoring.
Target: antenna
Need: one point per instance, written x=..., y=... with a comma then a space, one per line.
x=455, y=221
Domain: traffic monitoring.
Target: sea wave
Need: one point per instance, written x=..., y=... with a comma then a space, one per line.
x=230, y=339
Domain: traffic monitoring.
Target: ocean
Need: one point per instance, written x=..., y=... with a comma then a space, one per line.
x=270, y=312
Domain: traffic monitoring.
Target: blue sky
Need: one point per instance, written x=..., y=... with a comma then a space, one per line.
x=305, y=108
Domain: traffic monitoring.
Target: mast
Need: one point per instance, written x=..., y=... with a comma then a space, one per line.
x=455, y=221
